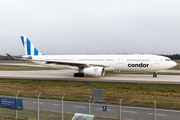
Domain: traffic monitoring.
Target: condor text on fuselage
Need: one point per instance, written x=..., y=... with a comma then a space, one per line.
x=138, y=65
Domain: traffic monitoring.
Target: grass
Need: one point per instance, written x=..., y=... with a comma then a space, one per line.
x=15, y=61
x=21, y=68
x=177, y=67
x=8, y=118
x=135, y=94
x=177, y=61
x=31, y=114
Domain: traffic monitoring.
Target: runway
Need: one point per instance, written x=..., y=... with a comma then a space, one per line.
x=68, y=75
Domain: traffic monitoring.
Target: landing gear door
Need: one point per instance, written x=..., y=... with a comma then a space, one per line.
x=120, y=60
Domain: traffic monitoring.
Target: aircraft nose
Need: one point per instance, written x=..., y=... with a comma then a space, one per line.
x=174, y=63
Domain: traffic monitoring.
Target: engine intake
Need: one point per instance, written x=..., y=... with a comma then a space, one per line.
x=95, y=71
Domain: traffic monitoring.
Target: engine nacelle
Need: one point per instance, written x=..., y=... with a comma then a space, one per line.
x=95, y=71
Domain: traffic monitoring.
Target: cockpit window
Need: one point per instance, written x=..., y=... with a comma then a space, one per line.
x=168, y=60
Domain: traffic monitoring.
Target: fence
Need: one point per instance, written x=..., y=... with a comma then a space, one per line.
x=48, y=109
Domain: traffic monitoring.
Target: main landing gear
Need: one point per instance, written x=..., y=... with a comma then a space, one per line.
x=78, y=74
x=155, y=75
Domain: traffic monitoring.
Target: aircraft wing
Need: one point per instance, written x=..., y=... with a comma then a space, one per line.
x=75, y=64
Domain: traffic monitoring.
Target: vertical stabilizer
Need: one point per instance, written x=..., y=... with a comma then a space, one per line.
x=29, y=48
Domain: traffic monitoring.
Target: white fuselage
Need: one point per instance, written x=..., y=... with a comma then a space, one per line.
x=110, y=62
x=96, y=65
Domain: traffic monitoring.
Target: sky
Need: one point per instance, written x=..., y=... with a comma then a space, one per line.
x=91, y=26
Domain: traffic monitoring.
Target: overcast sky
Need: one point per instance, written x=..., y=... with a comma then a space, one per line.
x=91, y=26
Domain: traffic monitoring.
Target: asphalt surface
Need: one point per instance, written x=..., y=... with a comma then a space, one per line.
x=68, y=75
x=128, y=112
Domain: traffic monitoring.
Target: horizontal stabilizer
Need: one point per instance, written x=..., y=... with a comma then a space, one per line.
x=19, y=57
x=10, y=56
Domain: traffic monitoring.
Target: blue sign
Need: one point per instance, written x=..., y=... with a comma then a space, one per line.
x=11, y=103
x=104, y=108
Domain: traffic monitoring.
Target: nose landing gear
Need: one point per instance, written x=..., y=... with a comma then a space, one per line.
x=155, y=75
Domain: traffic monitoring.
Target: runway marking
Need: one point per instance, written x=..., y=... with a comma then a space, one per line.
x=57, y=104
x=137, y=108
x=167, y=110
x=76, y=102
x=158, y=114
x=36, y=103
x=102, y=109
x=79, y=107
x=129, y=111
x=103, y=104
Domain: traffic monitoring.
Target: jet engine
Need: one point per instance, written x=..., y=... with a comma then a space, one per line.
x=95, y=71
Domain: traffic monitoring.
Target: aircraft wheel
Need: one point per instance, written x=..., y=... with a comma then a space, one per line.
x=154, y=75
x=81, y=74
x=76, y=74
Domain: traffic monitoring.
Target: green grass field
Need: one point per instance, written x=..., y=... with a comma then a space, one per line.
x=31, y=114
x=135, y=94
x=8, y=118
x=21, y=68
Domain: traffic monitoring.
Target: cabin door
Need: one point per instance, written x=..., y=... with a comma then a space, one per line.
x=156, y=60
x=120, y=60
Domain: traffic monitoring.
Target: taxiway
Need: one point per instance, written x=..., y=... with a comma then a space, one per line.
x=68, y=75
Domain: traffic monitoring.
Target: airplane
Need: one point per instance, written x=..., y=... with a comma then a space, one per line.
x=96, y=65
